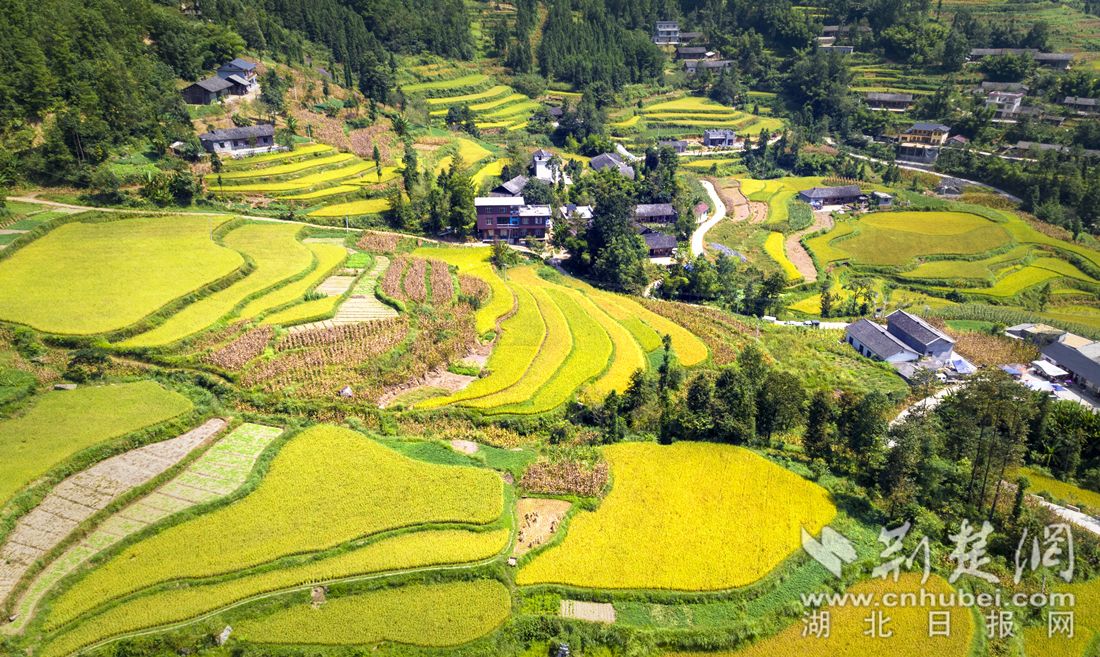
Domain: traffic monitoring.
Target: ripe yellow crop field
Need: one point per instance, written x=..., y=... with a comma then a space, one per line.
x=627, y=356
x=411, y=550
x=1086, y=619
x=353, y=208
x=305, y=311
x=251, y=161
x=288, y=168
x=277, y=254
x=522, y=336
x=475, y=262
x=302, y=182
x=776, y=248
x=553, y=353
x=327, y=486
x=727, y=518
x=87, y=278
x=589, y=357
x=62, y=423
x=847, y=625
x=328, y=257
x=425, y=615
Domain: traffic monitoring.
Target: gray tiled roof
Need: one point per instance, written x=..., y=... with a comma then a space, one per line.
x=916, y=328
x=874, y=337
x=245, y=132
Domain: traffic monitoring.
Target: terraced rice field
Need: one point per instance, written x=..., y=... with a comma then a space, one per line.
x=430, y=615
x=277, y=255
x=122, y=271
x=693, y=112
x=497, y=107
x=410, y=550
x=1061, y=490
x=61, y=424
x=848, y=638
x=221, y=470
x=775, y=247
x=726, y=520
x=564, y=340
x=327, y=256
x=326, y=486
x=82, y=495
x=356, y=208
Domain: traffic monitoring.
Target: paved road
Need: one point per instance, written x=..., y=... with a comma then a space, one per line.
x=1082, y=520
x=912, y=167
x=697, y=244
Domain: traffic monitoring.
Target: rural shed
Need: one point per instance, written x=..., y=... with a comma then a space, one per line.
x=206, y=92
x=1049, y=370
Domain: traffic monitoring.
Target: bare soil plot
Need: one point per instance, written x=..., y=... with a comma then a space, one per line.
x=82, y=495
x=797, y=253
x=221, y=470
x=595, y=612
x=539, y=519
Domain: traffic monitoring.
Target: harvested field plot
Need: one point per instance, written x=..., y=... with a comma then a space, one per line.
x=326, y=486
x=221, y=470
x=475, y=262
x=87, y=278
x=423, y=615
x=847, y=638
x=411, y=550
x=63, y=423
x=698, y=531
x=82, y=495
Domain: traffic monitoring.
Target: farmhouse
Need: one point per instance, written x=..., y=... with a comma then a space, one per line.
x=677, y=145
x=920, y=336
x=694, y=52
x=659, y=245
x=922, y=142
x=874, y=341
x=1087, y=106
x=241, y=72
x=513, y=187
x=612, y=161
x=206, y=92
x=719, y=138
x=1081, y=362
x=821, y=196
x=888, y=102
x=240, y=141
x=666, y=33
x=510, y=219
x=655, y=213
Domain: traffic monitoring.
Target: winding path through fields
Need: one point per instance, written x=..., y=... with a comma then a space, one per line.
x=798, y=254
x=697, y=244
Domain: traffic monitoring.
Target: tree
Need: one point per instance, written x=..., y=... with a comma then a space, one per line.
x=818, y=439
x=780, y=403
